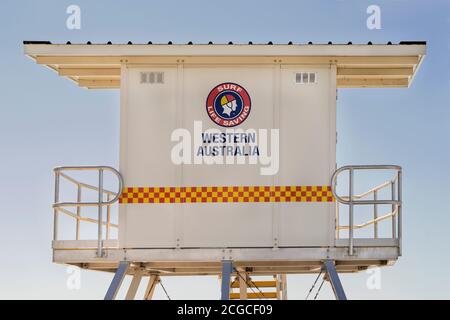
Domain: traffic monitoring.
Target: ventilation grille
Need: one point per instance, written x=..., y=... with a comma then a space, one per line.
x=152, y=77
x=305, y=77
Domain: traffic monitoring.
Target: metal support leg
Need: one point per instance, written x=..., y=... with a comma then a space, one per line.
x=283, y=280
x=117, y=280
x=131, y=293
x=334, y=280
x=227, y=269
x=152, y=282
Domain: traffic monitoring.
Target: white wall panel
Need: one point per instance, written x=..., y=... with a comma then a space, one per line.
x=305, y=116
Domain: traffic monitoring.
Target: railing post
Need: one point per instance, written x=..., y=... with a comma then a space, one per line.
x=108, y=217
x=55, y=210
x=350, y=212
x=100, y=214
x=399, y=211
x=394, y=227
x=77, y=236
x=337, y=221
x=375, y=215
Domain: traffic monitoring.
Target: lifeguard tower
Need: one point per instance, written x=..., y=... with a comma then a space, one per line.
x=228, y=164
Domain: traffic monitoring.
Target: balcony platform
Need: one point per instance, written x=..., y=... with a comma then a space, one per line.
x=208, y=261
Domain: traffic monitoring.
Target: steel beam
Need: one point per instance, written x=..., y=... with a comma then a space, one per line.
x=334, y=280
x=227, y=269
x=117, y=280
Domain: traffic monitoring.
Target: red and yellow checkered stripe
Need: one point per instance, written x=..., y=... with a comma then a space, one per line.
x=226, y=194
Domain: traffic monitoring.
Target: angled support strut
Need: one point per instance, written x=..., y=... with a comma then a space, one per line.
x=336, y=284
x=117, y=280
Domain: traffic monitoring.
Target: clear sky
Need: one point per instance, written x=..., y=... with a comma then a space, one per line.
x=46, y=121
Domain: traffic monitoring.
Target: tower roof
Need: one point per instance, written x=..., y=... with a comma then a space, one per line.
x=98, y=66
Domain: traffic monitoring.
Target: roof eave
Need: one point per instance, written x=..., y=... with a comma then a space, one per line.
x=359, y=66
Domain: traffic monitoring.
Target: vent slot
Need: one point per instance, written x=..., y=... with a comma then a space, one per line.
x=152, y=77
x=305, y=77
x=159, y=77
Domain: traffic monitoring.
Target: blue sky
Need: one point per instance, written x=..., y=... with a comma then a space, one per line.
x=46, y=121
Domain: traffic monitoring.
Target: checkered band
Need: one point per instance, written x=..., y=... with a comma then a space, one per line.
x=226, y=194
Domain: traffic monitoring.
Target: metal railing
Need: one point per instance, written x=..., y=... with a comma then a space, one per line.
x=111, y=198
x=351, y=200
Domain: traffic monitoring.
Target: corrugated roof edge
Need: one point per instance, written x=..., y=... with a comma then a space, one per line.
x=230, y=43
x=413, y=42
x=36, y=42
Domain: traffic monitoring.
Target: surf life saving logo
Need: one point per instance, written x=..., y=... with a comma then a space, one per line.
x=228, y=104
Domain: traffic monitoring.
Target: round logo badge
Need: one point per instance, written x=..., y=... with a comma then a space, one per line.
x=228, y=104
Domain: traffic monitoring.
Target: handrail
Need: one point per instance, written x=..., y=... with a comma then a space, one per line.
x=351, y=200
x=371, y=191
x=75, y=216
x=363, y=167
x=58, y=207
x=117, y=194
x=370, y=222
x=85, y=185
